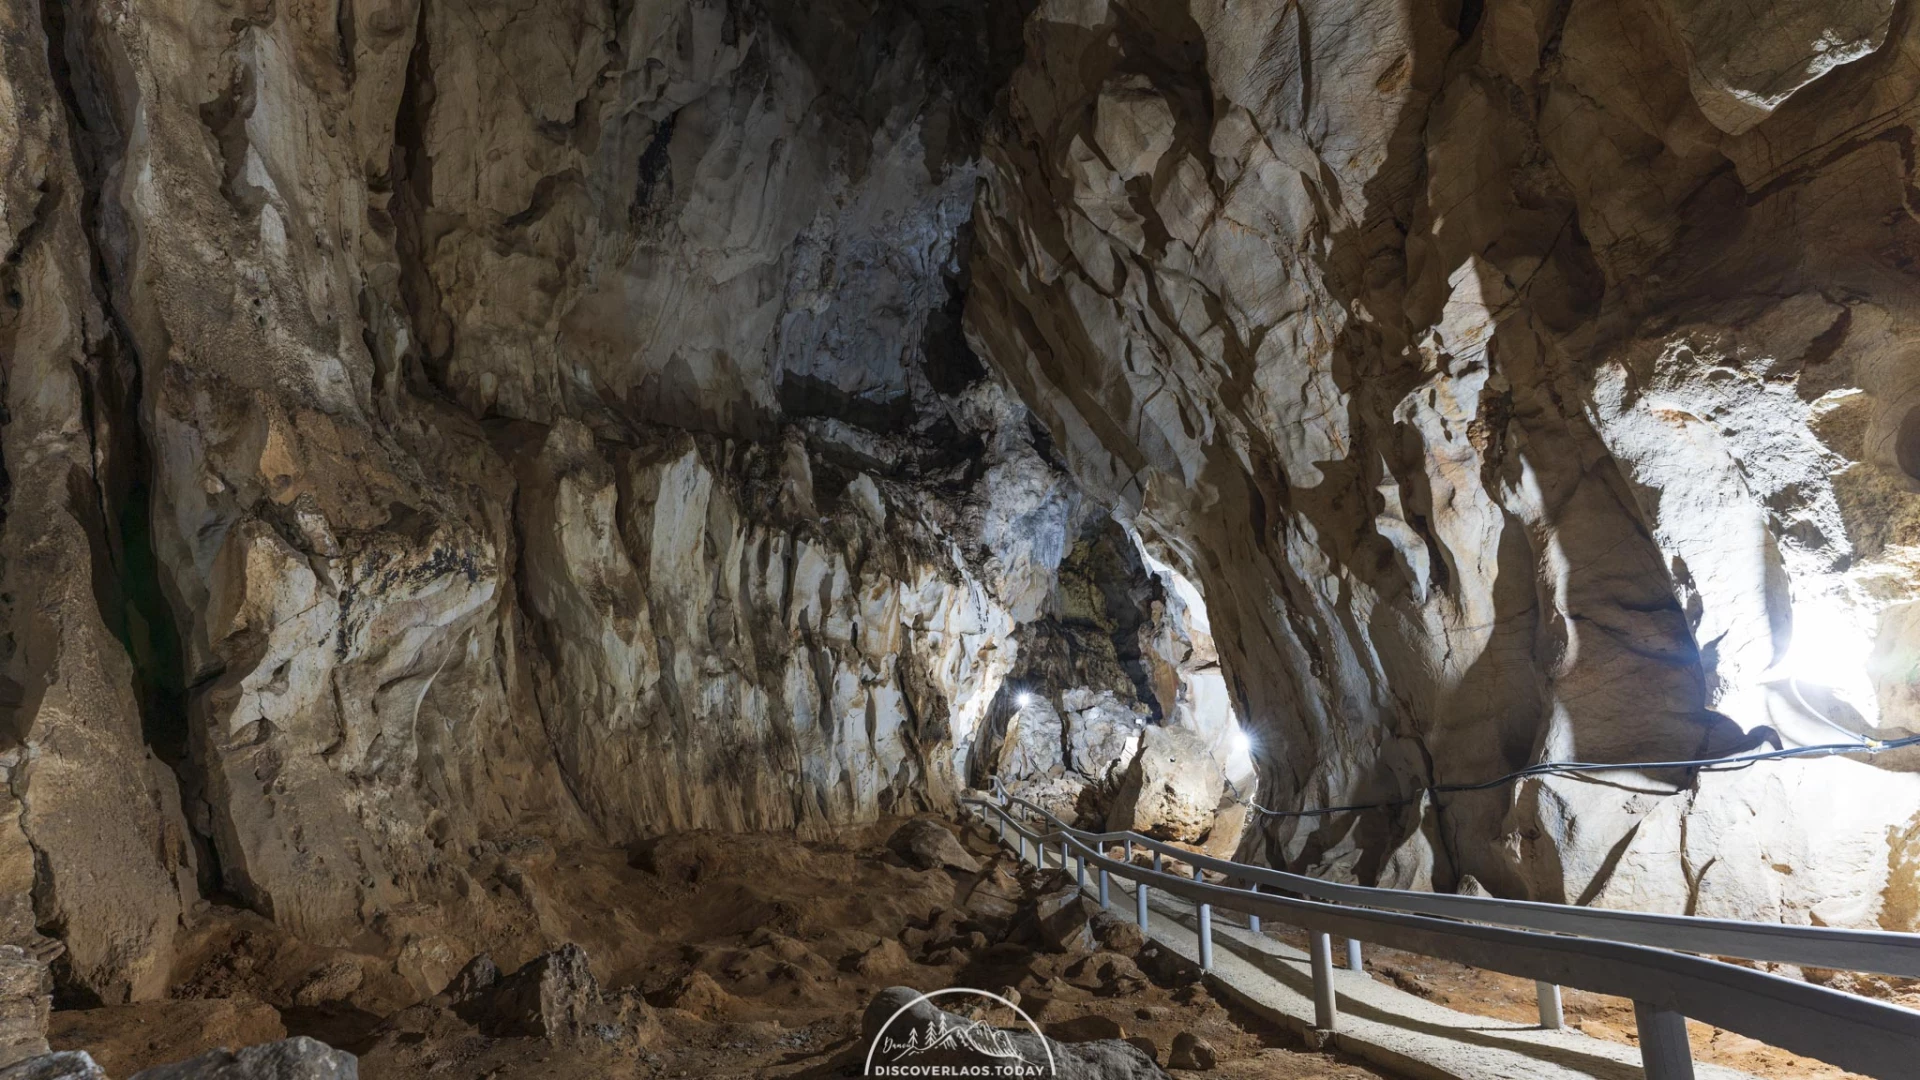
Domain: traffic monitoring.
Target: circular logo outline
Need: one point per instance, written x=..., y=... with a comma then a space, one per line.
x=1053, y=1068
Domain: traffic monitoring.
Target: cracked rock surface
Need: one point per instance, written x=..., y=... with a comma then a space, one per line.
x=1519, y=382
x=442, y=433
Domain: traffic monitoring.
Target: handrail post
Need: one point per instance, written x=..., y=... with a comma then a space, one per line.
x=1323, y=1008
x=1001, y=818
x=1253, y=921
x=1156, y=863
x=1664, y=1051
x=1129, y=851
x=1140, y=903
x=1206, y=930
x=1353, y=954
x=1080, y=871
x=1104, y=901
x=1063, y=854
x=1547, y=996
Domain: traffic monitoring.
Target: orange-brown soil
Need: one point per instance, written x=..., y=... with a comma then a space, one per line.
x=716, y=956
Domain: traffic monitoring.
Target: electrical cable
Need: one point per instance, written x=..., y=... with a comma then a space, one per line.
x=1793, y=684
x=1554, y=768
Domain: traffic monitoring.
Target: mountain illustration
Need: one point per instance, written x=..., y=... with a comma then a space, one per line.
x=942, y=1034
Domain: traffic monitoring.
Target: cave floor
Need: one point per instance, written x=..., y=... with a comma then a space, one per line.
x=730, y=956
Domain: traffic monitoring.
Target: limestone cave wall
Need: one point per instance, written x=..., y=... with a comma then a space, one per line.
x=434, y=422
x=1520, y=382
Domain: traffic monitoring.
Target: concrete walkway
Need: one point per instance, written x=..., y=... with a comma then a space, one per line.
x=1378, y=1023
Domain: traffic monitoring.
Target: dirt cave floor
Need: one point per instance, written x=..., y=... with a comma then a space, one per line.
x=710, y=956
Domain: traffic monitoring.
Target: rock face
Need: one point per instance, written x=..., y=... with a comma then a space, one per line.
x=429, y=426
x=394, y=465
x=1517, y=386
x=1172, y=789
x=1123, y=646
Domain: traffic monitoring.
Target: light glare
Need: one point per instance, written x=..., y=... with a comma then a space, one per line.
x=1830, y=648
x=1024, y=700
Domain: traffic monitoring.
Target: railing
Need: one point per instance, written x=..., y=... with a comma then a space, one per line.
x=1625, y=954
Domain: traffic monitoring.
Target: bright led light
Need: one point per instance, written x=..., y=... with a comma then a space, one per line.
x=1826, y=645
x=1242, y=743
x=1830, y=648
x=1023, y=700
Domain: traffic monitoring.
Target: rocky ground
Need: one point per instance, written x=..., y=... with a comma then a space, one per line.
x=705, y=955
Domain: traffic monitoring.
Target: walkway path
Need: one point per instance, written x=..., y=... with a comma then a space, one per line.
x=1381, y=1024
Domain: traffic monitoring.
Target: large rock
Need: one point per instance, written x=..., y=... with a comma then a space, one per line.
x=1063, y=914
x=1172, y=788
x=930, y=845
x=552, y=996
x=298, y=1058
x=63, y=1065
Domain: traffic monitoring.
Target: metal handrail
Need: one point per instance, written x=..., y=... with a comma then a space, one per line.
x=1880, y=951
x=1854, y=1033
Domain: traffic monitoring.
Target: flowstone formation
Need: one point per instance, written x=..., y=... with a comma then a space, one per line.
x=1520, y=382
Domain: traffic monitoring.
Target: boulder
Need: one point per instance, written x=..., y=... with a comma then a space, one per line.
x=548, y=997
x=1190, y=1051
x=1108, y=973
x=1103, y=732
x=479, y=975
x=1101, y=1059
x=1034, y=745
x=929, y=845
x=298, y=1058
x=1172, y=789
x=63, y=1065
x=1064, y=915
x=886, y=959
x=993, y=898
x=1116, y=934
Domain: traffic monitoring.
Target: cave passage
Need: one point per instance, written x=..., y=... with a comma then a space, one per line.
x=522, y=525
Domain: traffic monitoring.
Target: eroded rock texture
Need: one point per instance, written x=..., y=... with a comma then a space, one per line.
x=436, y=429
x=1520, y=382
x=431, y=423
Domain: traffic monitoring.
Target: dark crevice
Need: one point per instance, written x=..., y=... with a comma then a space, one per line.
x=115, y=501
x=410, y=174
x=655, y=171
x=1470, y=13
